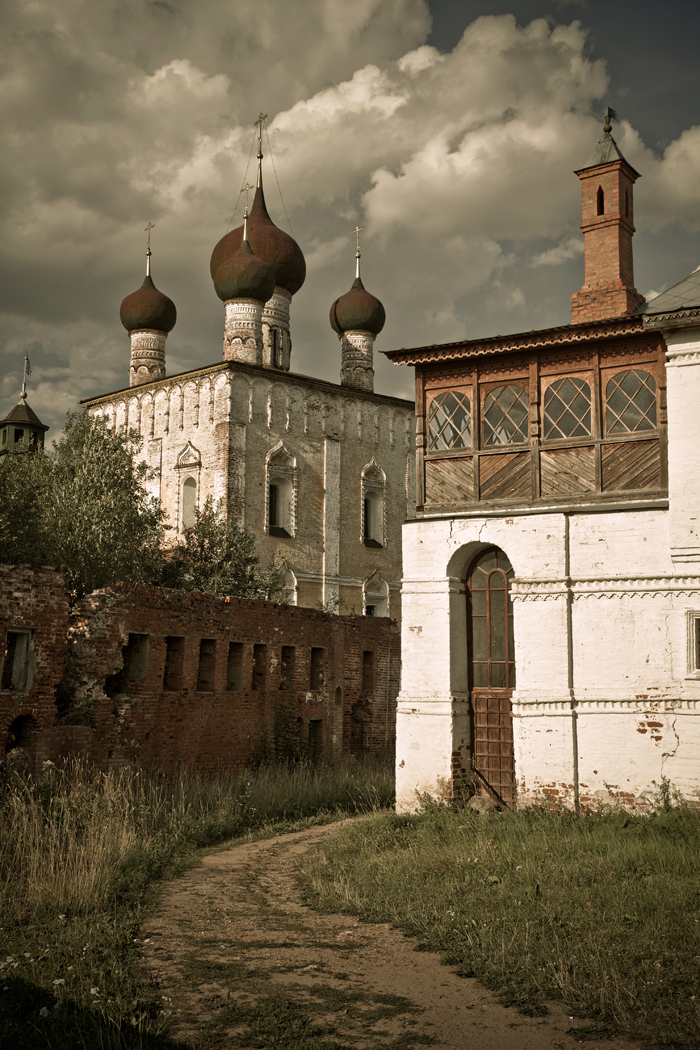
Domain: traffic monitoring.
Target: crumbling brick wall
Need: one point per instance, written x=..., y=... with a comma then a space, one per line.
x=169, y=680
x=33, y=623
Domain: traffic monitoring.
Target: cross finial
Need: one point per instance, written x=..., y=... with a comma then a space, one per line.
x=259, y=125
x=151, y=226
x=357, y=231
x=245, y=190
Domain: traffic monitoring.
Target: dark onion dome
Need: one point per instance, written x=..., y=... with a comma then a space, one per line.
x=272, y=245
x=357, y=311
x=244, y=276
x=148, y=308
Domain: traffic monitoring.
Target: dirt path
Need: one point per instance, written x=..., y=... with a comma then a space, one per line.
x=244, y=962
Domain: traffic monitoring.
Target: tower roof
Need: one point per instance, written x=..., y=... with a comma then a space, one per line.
x=682, y=296
x=22, y=413
x=243, y=275
x=275, y=247
x=357, y=311
x=148, y=308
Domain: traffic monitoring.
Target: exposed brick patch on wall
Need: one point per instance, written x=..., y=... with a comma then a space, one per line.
x=33, y=624
x=168, y=680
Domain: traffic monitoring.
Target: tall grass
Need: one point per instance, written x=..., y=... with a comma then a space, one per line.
x=79, y=851
x=600, y=912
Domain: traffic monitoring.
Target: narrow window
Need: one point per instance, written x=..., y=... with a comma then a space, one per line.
x=287, y=667
x=600, y=202
x=189, y=502
x=19, y=437
x=15, y=668
x=274, y=507
x=4, y=436
x=315, y=739
x=367, y=671
x=207, y=665
x=373, y=523
x=338, y=696
x=259, y=667
x=234, y=668
x=174, y=657
x=627, y=203
x=135, y=661
x=316, y=669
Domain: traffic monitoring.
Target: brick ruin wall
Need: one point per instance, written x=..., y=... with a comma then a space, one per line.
x=168, y=680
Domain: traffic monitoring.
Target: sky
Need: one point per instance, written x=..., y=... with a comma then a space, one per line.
x=448, y=129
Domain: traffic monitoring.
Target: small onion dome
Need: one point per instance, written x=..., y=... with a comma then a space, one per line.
x=272, y=245
x=148, y=308
x=244, y=276
x=357, y=311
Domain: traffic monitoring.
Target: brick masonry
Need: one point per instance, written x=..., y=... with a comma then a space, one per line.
x=167, y=680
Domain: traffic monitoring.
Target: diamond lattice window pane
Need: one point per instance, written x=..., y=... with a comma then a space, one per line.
x=505, y=416
x=449, y=421
x=631, y=402
x=567, y=409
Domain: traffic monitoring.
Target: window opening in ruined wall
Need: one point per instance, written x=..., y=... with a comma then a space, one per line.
x=368, y=671
x=287, y=667
x=16, y=665
x=135, y=662
x=207, y=665
x=234, y=667
x=174, y=659
x=316, y=669
x=259, y=667
x=315, y=739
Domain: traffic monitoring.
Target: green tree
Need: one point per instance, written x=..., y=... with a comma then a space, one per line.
x=219, y=557
x=83, y=508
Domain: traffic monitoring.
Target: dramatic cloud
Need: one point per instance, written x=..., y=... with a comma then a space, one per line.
x=458, y=165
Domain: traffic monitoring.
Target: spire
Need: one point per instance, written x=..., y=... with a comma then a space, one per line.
x=357, y=231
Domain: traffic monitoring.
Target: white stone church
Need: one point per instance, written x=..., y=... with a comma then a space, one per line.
x=551, y=591
x=322, y=474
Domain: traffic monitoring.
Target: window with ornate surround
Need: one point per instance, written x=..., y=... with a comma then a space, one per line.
x=544, y=428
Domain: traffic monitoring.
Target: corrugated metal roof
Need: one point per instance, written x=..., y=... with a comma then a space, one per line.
x=683, y=296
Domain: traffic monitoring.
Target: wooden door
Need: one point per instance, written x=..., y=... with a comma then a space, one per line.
x=492, y=670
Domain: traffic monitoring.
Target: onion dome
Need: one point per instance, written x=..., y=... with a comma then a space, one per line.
x=357, y=311
x=243, y=275
x=275, y=247
x=148, y=308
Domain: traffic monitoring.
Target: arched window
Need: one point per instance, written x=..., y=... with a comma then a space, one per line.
x=567, y=408
x=449, y=421
x=376, y=596
x=630, y=402
x=491, y=622
x=281, y=492
x=372, y=491
x=188, y=517
x=600, y=202
x=505, y=415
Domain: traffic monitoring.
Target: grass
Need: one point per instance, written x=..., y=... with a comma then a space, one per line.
x=600, y=912
x=80, y=854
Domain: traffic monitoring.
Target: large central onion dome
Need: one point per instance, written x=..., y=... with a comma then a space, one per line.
x=272, y=245
x=357, y=311
x=148, y=308
x=243, y=275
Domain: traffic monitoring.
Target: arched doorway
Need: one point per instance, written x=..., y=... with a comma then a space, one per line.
x=491, y=669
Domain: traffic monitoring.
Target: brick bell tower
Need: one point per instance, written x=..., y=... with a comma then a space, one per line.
x=607, y=182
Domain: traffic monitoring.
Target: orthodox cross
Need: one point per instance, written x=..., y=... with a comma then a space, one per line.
x=260, y=121
x=151, y=226
x=245, y=190
x=357, y=231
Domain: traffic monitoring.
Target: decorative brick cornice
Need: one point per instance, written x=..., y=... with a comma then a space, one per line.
x=604, y=587
x=566, y=335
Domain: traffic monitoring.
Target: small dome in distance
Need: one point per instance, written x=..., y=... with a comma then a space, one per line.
x=148, y=308
x=357, y=311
